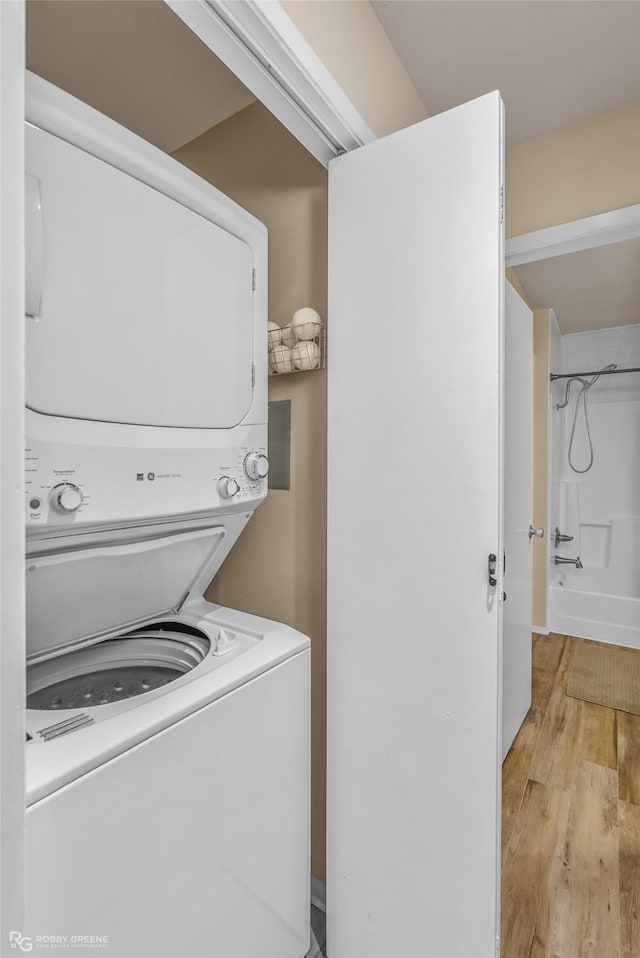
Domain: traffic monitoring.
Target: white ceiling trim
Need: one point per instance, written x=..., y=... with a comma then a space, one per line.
x=614, y=226
x=259, y=43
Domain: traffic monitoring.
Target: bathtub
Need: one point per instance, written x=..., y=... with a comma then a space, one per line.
x=579, y=606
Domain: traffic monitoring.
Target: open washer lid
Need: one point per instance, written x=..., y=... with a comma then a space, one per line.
x=90, y=590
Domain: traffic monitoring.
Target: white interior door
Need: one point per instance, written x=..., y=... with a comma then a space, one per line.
x=415, y=481
x=518, y=440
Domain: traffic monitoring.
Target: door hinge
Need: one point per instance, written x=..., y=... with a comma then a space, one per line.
x=501, y=204
x=182, y=601
x=253, y=375
x=253, y=280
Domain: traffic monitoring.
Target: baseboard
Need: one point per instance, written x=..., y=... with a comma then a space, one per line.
x=534, y=628
x=318, y=894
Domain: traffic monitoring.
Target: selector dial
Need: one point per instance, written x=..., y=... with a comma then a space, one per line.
x=66, y=498
x=256, y=465
x=227, y=487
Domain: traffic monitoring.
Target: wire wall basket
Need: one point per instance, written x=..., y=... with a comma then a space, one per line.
x=297, y=347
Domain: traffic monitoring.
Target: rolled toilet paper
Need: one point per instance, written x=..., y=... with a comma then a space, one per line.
x=306, y=323
x=306, y=355
x=280, y=360
x=274, y=336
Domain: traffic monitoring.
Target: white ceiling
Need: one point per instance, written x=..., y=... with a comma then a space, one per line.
x=594, y=289
x=557, y=62
x=135, y=61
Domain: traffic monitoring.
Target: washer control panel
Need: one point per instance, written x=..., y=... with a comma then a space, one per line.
x=75, y=484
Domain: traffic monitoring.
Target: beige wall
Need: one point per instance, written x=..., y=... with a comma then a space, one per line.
x=541, y=399
x=540, y=505
x=348, y=38
x=515, y=282
x=575, y=172
x=278, y=567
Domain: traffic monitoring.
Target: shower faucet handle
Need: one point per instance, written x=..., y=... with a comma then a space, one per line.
x=536, y=532
x=559, y=537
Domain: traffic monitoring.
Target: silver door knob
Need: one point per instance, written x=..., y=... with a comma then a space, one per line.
x=536, y=532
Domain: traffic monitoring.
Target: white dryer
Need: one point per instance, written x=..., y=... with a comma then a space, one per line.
x=168, y=738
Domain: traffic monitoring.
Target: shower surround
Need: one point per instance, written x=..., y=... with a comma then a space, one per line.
x=599, y=508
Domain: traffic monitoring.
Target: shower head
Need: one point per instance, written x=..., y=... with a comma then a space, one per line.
x=597, y=376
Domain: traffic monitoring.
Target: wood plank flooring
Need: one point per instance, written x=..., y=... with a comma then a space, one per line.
x=570, y=822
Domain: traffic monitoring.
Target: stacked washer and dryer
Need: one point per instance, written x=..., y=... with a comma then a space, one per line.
x=168, y=738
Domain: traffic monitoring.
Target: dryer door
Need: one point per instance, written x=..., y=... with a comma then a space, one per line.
x=141, y=311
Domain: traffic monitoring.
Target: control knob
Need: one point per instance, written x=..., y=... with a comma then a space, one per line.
x=256, y=465
x=66, y=498
x=227, y=487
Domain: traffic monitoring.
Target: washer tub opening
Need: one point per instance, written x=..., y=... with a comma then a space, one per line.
x=117, y=668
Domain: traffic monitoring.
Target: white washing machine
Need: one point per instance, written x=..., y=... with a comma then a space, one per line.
x=168, y=738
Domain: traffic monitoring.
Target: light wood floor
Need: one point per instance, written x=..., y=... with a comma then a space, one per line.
x=571, y=823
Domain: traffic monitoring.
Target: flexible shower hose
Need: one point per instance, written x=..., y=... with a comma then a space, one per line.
x=582, y=395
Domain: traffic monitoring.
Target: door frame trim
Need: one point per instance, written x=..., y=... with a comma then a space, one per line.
x=262, y=46
x=12, y=612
